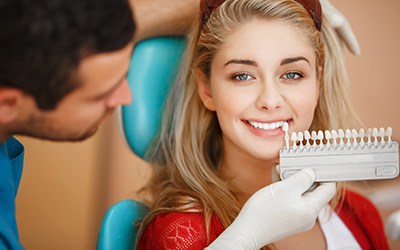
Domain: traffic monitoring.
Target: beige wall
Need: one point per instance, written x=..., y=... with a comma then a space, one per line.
x=373, y=75
x=67, y=187
x=57, y=205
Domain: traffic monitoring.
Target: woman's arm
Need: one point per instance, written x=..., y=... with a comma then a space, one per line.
x=164, y=17
x=174, y=17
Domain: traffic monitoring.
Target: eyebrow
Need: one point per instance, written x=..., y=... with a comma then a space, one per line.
x=253, y=63
x=110, y=90
x=294, y=59
x=239, y=61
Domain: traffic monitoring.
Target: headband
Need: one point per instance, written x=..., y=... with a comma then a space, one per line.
x=312, y=6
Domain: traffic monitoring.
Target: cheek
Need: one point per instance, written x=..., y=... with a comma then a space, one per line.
x=232, y=101
x=94, y=113
x=304, y=95
x=303, y=103
x=306, y=104
x=87, y=114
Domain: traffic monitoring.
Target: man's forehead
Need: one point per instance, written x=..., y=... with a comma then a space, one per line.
x=103, y=70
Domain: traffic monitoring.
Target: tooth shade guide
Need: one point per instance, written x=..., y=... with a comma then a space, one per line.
x=332, y=162
x=334, y=137
x=343, y=138
x=293, y=138
x=314, y=137
x=348, y=137
x=328, y=137
x=343, y=164
x=320, y=137
x=307, y=137
x=361, y=134
x=375, y=134
x=389, y=133
x=285, y=128
x=381, y=132
x=382, y=136
x=300, y=138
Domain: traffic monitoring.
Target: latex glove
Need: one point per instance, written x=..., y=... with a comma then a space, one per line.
x=342, y=26
x=274, y=212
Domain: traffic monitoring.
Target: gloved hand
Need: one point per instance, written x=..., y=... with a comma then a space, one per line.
x=342, y=26
x=276, y=211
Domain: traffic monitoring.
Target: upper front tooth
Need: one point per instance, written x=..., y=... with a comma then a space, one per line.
x=266, y=126
x=272, y=125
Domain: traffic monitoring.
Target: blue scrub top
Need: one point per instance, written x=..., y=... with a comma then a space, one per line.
x=11, y=164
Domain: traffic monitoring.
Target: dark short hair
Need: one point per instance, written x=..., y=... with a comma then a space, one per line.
x=43, y=41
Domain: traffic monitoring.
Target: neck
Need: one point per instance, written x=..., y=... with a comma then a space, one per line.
x=247, y=174
x=3, y=135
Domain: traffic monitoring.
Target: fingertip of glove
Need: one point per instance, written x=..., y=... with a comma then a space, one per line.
x=356, y=51
x=330, y=185
x=309, y=172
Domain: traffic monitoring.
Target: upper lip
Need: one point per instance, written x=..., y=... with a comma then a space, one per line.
x=269, y=121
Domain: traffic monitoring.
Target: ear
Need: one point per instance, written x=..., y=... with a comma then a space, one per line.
x=204, y=90
x=9, y=100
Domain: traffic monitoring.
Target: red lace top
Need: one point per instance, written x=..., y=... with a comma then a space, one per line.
x=178, y=230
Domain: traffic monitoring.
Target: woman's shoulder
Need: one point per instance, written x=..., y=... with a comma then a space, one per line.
x=356, y=206
x=184, y=229
x=363, y=219
x=179, y=224
x=357, y=201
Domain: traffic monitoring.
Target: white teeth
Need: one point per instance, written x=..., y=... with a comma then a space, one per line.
x=285, y=126
x=267, y=126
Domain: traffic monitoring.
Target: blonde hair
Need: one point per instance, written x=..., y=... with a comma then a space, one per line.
x=187, y=156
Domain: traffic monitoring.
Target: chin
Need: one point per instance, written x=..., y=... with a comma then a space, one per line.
x=270, y=157
x=85, y=136
x=267, y=155
x=76, y=137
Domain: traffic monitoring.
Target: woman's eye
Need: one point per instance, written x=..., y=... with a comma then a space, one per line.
x=292, y=75
x=243, y=77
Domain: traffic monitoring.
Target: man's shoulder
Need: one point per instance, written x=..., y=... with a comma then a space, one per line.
x=9, y=181
x=14, y=147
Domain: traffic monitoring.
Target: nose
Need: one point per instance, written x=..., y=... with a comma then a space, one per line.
x=121, y=96
x=270, y=97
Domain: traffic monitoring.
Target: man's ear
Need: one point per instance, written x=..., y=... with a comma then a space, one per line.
x=204, y=90
x=9, y=101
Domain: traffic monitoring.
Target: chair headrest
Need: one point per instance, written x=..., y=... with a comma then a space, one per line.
x=153, y=69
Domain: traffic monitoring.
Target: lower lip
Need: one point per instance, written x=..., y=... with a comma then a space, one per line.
x=269, y=133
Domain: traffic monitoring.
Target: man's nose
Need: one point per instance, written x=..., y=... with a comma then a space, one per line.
x=121, y=96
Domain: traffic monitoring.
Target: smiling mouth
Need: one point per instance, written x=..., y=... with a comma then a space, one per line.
x=267, y=126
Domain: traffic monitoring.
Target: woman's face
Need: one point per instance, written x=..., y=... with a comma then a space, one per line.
x=263, y=75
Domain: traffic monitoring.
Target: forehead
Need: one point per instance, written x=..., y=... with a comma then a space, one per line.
x=263, y=40
x=100, y=71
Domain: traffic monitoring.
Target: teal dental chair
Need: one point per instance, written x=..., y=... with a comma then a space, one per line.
x=153, y=68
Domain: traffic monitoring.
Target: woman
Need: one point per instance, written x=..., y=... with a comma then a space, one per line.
x=252, y=65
